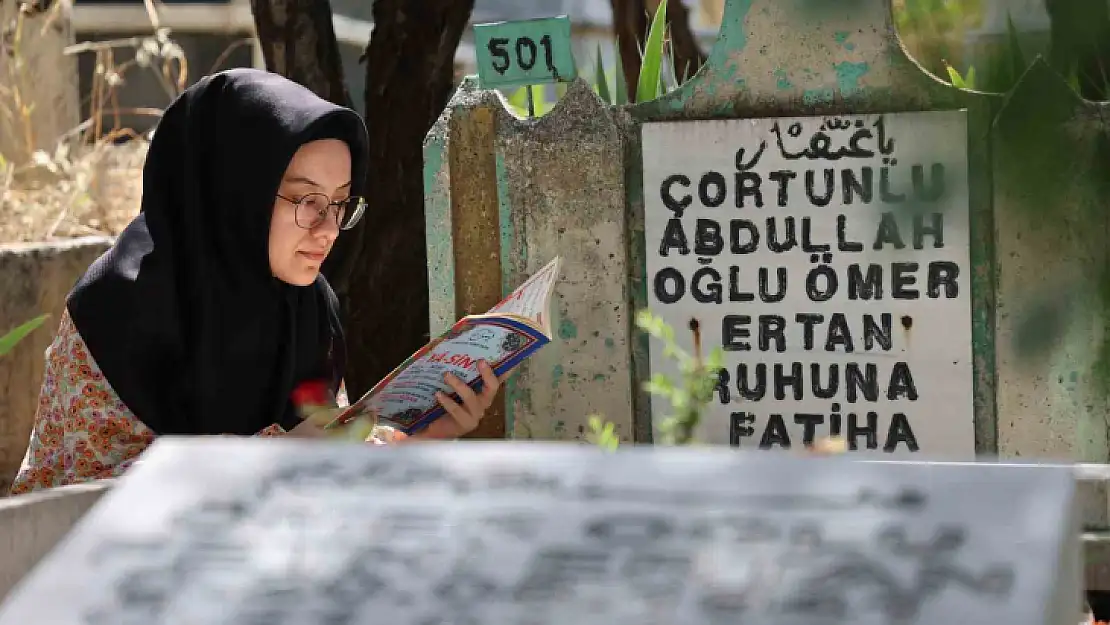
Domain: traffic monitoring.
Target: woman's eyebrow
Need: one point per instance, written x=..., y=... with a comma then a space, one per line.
x=302, y=180
x=311, y=182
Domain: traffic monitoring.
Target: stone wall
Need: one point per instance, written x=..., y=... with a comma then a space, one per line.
x=30, y=526
x=34, y=279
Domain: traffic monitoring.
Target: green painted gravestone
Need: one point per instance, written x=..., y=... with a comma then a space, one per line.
x=945, y=235
x=692, y=205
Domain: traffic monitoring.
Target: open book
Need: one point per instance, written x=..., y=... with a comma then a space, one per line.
x=510, y=332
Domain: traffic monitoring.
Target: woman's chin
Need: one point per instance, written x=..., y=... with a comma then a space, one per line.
x=300, y=277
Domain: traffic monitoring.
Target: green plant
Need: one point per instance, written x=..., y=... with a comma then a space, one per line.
x=653, y=81
x=688, y=396
x=1002, y=69
x=693, y=393
x=17, y=334
x=650, y=85
x=603, y=433
x=935, y=31
x=963, y=82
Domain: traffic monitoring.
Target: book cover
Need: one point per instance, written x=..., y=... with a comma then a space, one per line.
x=504, y=337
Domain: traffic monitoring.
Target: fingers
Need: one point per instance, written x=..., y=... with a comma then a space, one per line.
x=466, y=394
x=491, y=383
x=471, y=407
x=463, y=419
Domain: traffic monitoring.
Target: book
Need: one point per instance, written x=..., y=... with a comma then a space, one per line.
x=504, y=337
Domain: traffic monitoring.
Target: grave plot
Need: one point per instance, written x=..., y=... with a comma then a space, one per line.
x=228, y=532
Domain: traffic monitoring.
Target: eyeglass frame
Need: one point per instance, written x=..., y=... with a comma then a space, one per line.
x=360, y=208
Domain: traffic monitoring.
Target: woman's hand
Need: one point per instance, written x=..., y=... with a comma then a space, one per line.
x=464, y=417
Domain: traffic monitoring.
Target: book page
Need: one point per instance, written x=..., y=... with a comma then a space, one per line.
x=531, y=298
x=406, y=398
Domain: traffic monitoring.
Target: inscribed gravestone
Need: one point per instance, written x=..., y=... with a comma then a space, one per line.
x=246, y=531
x=829, y=257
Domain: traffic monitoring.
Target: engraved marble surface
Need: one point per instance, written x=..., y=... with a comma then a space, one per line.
x=223, y=531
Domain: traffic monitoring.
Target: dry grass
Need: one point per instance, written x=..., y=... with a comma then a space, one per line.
x=90, y=183
x=95, y=192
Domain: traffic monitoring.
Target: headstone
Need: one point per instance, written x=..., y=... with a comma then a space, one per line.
x=830, y=258
x=231, y=531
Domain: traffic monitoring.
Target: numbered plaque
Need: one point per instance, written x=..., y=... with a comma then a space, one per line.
x=525, y=52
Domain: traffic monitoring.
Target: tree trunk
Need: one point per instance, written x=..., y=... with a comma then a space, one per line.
x=630, y=24
x=631, y=19
x=409, y=79
x=298, y=42
x=688, y=57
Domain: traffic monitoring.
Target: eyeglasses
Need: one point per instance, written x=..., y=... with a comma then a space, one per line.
x=313, y=209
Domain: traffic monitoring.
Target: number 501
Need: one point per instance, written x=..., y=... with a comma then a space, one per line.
x=526, y=52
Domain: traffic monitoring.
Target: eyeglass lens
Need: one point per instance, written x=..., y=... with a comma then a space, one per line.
x=314, y=208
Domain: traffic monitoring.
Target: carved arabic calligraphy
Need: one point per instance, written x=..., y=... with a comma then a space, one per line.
x=820, y=146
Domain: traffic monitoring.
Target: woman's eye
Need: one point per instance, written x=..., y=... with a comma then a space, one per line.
x=315, y=203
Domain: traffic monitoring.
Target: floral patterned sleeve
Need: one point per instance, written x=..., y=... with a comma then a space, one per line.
x=82, y=430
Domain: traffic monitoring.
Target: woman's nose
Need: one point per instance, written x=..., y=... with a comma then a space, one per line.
x=329, y=227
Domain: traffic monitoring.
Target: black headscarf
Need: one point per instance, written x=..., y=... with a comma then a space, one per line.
x=182, y=314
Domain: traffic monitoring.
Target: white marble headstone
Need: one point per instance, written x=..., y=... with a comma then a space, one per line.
x=268, y=532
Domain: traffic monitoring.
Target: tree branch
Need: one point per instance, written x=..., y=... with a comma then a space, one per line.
x=298, y=41
x=688, y=57
x=630, y=29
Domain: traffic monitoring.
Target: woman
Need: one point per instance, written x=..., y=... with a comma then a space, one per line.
x=210, y=308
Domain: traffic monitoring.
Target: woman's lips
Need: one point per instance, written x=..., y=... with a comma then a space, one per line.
x=314, y=256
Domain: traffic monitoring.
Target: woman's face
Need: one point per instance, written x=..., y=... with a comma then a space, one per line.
x=296, y=253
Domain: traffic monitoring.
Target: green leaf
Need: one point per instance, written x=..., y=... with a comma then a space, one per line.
x=9, y=340
x=673, y=71
x=620, y=89
x=659, y=384
x=600, y=81
x=667, y=331
x=955, y=78
x=680, y=399
x=1072, y=77
x=651, y=65
x=716, y=359
x=649, y=323
x=519, y=98
x=969, y=79
x=1017, y=58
